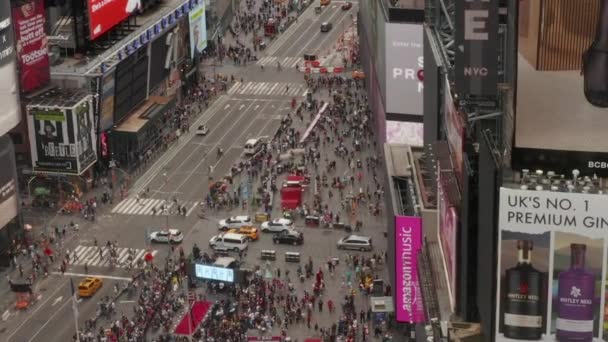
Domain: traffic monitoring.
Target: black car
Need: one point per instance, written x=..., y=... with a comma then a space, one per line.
x=326, y=27
x=290, y=237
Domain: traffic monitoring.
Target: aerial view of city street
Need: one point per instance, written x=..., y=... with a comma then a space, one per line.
x=303, y=170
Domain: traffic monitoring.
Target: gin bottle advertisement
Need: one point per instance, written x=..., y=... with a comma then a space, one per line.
x=551, y=281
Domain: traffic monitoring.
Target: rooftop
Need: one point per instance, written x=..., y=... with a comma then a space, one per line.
x=58, y=97
x=78, y=66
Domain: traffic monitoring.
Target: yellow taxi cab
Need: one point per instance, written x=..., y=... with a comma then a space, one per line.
x=89, y=286
x=251, y=233
x=358, y=75
x=325, y=2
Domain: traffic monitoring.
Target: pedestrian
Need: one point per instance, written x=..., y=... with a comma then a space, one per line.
x=320, y=305
x=20, y=270
x=330, y=306
x=278, y=273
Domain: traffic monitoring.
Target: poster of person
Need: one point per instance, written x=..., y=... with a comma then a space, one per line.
x=198, y=29
x=32, y=44
x=54, y=142
x=85, y=141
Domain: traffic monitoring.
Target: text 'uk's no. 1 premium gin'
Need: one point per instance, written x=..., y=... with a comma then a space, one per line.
x=523, y=305
x=576, y=288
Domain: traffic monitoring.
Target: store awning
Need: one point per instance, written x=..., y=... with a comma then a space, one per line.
x=146, y=113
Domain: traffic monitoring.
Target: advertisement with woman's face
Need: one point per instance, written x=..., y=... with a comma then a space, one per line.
x=9, y=87
x=561, y=98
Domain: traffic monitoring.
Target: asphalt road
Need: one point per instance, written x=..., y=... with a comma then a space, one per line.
x=249, y=109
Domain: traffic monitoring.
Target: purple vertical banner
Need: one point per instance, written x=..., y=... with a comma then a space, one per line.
x=408, y=242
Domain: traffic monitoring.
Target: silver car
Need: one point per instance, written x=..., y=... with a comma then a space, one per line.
x=356, y=242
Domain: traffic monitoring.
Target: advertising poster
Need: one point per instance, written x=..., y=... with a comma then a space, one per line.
x=402, y=132
x=409, y=306
x=9, y=87
x=552, y=266
x=404, y=69
x=32, y=44
x=448, y=229
x=106, y=119
x=476, y=60
x=87, y=155
x=105, y=14
x=8, y=182
x=53, y=141
x=561, y=108
x=454, y=127
x=198, y=29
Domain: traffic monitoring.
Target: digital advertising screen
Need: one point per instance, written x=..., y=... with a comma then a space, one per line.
x=404, y=69
x=32, y=44
x=53, y=140
x=403, y=132
x=9, y=91
x=551, y=279
x=214, y=273
x=454, y=131
x=409, y=305
x=198, y=29
x=561, y=99
x=105, y=14
x=448, y=230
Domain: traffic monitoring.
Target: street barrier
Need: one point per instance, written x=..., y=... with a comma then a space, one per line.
x=292, y=256
x=268, y=254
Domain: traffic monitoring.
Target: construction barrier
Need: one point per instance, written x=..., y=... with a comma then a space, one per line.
x=292, y=257
x=268, y=254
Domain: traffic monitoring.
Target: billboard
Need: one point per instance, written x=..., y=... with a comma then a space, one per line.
x=62, y=140
x=214, y=273
x=86, y=137
x=448, y=230
x=8, y=182
x=32, y=44
x=551, y=279
x=198, y=29
x=477, y=46
x=9, y=87
x=454, y=130
x=106, y=117
x=105, y=14
x=561, y=113
x=403, y=132
x=404, y=69
x=408, y=295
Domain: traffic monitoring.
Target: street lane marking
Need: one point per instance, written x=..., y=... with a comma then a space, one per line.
x=163, y=161
x=236, y=85
x=146, y=206
x=193, y=206
x=84, y=275
x=57, y=300
x=89, y=255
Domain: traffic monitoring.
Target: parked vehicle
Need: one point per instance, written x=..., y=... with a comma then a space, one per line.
x=277, y=225
x=234, y=222
x=290, y=237
x=356, y=242
x=167, y=236
x=229, y=241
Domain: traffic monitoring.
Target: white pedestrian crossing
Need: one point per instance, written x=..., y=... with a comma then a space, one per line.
x=268, y=89
x=286, y=62
x=151, y=207
x=92, y=257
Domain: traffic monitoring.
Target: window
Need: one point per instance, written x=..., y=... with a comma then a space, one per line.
x=16, y=137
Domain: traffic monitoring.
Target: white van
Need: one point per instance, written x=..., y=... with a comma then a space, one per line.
x=252, y=146
x=229, y=241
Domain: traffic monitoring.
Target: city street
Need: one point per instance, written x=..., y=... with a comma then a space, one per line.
x=251, y=108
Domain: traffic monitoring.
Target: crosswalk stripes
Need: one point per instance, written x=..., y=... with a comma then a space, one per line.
x=91, y=256
x=286, y=62
x=150, y=206
x=268, y=88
